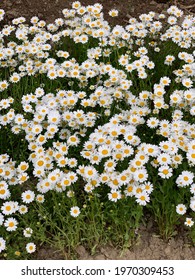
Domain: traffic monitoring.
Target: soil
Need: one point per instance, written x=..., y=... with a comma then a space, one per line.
x=51, y=9
x=148, y=245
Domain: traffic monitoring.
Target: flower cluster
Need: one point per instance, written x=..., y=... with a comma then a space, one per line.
x=118, y=115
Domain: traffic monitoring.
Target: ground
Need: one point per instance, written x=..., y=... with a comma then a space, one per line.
x=148, y=245
x=52, y=9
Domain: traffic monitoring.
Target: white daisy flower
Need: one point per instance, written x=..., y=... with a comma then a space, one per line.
x=75, y=211
x=2, y=244
x=181, y=209
x=11, y=224
x=188, y=222
x=30, y=247
x=28, y=196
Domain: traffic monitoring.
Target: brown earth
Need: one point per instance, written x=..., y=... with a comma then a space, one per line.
x=51, y=9
x=148, y=246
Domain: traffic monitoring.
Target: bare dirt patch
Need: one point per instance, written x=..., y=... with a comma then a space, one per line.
x=51, y=9
x=148, y=246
